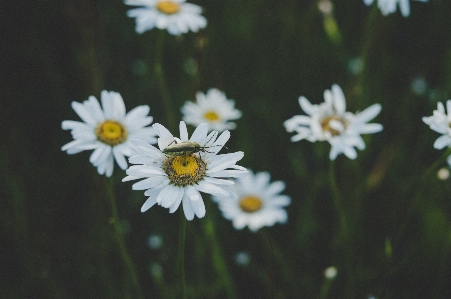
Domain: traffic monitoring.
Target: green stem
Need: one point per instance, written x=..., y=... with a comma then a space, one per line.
x=181, y=255
x=416, y=199
x=278, y=256
x=163, y=85
x=344, y=232
x=337, y=203
x=218, y=260
x=120, y=239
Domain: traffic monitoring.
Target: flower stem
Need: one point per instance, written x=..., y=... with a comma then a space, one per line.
x=278, y=256
x=181, y=255
x=218, y=260
x=417, y=199
x=163, y=85
x=344, y=232
x=114, y=220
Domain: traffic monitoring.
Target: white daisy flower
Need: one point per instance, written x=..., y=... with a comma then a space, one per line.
x=331, y=122
x=212, y=108
x=175, y=16
x=258, y=204
x=389, y=6
x=180, y=168
x=108, y=131
x=440, y=122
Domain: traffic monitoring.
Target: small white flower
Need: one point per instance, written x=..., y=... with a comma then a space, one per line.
x=389, y=6
x=175, y=16
x=330, y=272
x=108, y=131
x=171, y=178
x=154, y=241
x=331, y=122
x=258, y=203
x=242, y=258
x=440, y=122
x=212, y=108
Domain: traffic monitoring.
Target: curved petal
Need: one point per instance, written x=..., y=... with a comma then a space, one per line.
x=187, y=207
x=183, y=131
x=200, y=134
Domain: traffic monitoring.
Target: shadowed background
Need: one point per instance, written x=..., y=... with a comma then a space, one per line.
x=56, y=238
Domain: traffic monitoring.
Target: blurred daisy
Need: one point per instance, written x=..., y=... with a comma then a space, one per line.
x=389, y=6
x=108, y=131
x=171, y=178
x=440, y=122
x=258, y=203
x=330, y=121
x=175, y=16
x=212, y=108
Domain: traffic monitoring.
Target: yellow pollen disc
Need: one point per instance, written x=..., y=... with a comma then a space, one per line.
x=111, y=132
x=185, y=165
x=168, y=7
x=185, y=170
x=211, y=116
x=250, y=204
x=325, y=124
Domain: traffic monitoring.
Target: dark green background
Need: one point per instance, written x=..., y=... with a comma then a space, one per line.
x=55, y=236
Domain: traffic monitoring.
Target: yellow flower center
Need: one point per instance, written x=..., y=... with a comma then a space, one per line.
x=168, y=7
x=325, y=124
x=111, y=132
x=250, y=204
x=211, y=116
x=184, y=170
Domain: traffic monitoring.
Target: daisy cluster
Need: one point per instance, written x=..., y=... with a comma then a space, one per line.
x=177, y=170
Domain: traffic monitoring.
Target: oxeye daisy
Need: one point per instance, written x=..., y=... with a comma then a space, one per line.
x=440, y=122
x=389, y=6
x=258, y=203
x=176, y=16
x=212, y=108
x=108, y=131
x=329, y=121
x=181, y=167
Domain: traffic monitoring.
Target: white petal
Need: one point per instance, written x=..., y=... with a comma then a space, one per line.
x=210, y=188
x=183, y=132
x=148, y=183
x=187, y=207
x=200, y=134
x=120, y=159
x=192, y=193
x=84, y=114
x=218, y=181
x=370, y=128
x=442, y=141
x=168, y=196
x=177, y=201
x=339, y=99
x=150, y=202
x=275, y=188
x=369, y=113
x=198, y=207
x=305, y=105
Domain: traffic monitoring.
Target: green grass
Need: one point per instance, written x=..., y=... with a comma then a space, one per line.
x=57, y=240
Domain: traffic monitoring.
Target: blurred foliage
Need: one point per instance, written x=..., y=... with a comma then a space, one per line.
x=56, y=239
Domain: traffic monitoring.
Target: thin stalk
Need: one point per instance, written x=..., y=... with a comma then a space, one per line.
x=181, y=255
x=278, y=256
x=162, y=83
x=218, y=259
x=344, y=232
x=418, y=196
x=120, y=239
